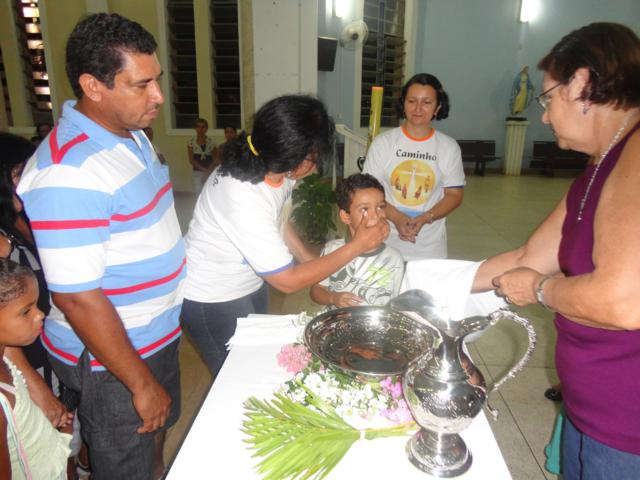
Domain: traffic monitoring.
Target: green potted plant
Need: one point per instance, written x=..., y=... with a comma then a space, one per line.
x=313, y=203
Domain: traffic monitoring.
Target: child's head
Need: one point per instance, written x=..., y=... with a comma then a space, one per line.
x=360, y=196
x=230, y=133
x=20, y=318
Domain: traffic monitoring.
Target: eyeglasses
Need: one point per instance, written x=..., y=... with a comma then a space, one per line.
x=544, y=98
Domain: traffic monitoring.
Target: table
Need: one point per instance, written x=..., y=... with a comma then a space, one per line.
x=214, y=446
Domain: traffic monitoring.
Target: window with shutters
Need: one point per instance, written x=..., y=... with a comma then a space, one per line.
x=6, y=103
x=226, y=62
x=27, y=17
x=383, y=57
x=182, y=58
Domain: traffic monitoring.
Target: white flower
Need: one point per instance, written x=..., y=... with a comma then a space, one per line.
x=346, y=397
x=368, y=391
x=298, y=396
x=313, y=381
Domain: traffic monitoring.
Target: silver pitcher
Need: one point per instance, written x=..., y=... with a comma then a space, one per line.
x=443, y=388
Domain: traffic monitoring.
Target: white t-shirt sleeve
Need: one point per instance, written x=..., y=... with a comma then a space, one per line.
x=451, y=166
x=250, y=224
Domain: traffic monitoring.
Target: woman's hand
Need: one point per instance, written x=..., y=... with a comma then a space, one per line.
x=345, y=299
x=371, y=233
x=406, y=227
x=420, y=221
x=518, y=286
x=403, y=223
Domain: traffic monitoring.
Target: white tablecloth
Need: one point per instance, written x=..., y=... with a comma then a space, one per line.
x=214, y=446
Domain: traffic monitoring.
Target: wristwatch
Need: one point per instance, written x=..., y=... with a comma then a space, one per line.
x=540, y=292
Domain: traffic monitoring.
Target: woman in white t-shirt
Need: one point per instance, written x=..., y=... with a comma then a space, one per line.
x=420, y=169
x=237, y=239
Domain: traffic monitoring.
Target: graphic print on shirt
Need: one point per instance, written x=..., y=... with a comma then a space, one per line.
x=374, y=285
x=413, y=182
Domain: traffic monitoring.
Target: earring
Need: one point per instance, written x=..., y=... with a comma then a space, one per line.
x=289, y=174
x=585, y=108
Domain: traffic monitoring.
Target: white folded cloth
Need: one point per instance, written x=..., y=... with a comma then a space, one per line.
x=449, y=283
x=259, y=329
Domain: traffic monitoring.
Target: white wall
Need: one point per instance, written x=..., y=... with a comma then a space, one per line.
x=476, y=49
x=284, y=48
x=339, y=89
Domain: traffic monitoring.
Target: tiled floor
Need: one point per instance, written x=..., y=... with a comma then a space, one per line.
x=498, y=213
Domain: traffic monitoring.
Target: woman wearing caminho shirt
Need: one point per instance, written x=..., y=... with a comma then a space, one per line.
x=420, y=169
x=236, y=239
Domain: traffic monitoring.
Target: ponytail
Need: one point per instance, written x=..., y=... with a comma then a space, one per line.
x=285, y=131
x=239, y=162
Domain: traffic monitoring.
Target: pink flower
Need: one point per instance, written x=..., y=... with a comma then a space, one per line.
x=399, y=415
x=293, y=357
x=394, y=389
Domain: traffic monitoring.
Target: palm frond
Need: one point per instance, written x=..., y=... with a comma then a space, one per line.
x=302, y=442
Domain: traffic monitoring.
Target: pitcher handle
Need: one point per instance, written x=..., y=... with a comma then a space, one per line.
x=531, y=333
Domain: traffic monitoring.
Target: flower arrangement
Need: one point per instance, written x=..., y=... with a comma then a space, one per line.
x=318, y=414
x=353, y=399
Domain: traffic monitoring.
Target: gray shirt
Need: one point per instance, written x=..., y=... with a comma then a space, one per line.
x=375, y=277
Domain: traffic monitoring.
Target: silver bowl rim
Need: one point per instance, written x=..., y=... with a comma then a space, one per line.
x=370, y=308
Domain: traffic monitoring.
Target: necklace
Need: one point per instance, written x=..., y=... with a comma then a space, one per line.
x=614, y=140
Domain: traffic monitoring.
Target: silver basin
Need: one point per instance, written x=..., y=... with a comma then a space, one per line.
x=368, y=341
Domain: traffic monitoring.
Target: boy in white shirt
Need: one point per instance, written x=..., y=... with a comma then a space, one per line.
x=374, y=277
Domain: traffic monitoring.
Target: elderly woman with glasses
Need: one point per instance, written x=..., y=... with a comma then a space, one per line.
x=583, y=261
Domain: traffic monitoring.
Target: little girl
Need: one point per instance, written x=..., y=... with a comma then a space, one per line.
x=30, y=448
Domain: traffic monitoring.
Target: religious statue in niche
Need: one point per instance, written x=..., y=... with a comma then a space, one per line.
x=521, y=94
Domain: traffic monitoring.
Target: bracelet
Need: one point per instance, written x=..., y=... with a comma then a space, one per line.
x=430, y=217
x=540, y=292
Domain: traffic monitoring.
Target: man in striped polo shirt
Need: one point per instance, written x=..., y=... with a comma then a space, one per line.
x=102, y=212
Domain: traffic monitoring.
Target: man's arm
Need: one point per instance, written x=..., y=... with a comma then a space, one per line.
x=98, y=325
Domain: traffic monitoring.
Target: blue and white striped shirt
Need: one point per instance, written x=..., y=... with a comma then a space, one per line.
x=102, y=213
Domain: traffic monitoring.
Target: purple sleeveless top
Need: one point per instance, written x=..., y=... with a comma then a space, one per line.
x=598, y=368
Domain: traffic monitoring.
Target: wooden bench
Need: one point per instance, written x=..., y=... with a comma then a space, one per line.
x=552, y=157
x=479, y=152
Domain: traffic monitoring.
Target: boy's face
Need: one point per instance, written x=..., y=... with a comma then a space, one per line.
x=21, y=319
x=367, y=204
x=230, y=134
